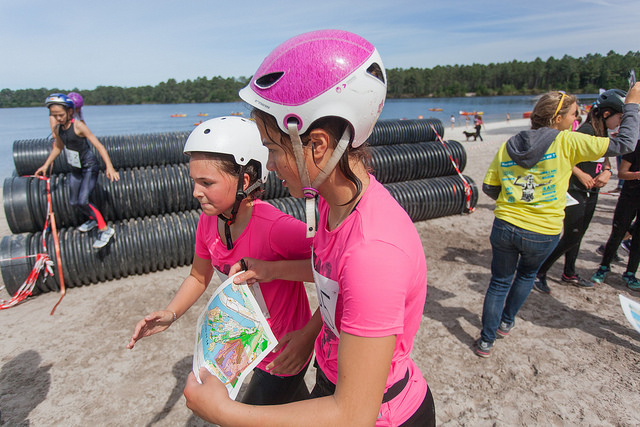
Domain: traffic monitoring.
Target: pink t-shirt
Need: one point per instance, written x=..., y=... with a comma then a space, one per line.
x=270, y=235
x=371, y=276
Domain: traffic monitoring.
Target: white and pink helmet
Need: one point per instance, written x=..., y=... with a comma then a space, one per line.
x=320, y=74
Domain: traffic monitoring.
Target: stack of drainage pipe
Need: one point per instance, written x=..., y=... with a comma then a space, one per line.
x=155, y=215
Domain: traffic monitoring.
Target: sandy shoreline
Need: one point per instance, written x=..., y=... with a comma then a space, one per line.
x=571, y=360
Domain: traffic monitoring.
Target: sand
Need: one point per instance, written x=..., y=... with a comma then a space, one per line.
x=571, y=360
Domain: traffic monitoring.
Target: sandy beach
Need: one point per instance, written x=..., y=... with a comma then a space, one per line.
x=572, y=358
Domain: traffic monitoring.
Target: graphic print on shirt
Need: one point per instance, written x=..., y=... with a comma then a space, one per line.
x=528, y=185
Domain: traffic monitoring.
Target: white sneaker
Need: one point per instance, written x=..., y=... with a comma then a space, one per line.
x=88, y=226
x=104, y=238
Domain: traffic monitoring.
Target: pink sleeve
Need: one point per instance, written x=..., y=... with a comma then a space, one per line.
x=288, y=238
x=375, y=288
x=201, y=248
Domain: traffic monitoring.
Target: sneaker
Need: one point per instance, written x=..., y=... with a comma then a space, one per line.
x=88, y=226
x=600, y=251
x=540, y=285
x=598, y=276
x=626, y=245
x=632, y=282
x=505, y=328
x=104, y=238
x=483, y=348
x=578, y=281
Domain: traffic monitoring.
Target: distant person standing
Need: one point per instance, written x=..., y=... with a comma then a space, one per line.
x=78, y=102
x=453, y=121
x=73, y=136
x=529, y=216
x=508, y=117
x=586, y=181
x=478, y=124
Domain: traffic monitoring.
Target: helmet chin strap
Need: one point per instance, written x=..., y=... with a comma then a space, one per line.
x=241, y=194
x=309, y=188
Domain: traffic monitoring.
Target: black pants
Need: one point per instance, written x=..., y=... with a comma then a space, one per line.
x=576, y=221
x=425, y=415
x=267, y=389
x=626, y=210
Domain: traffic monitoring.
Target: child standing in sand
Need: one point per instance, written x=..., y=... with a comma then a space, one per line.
x=73, y=136
x=586, y=181
x=316, y=99
x=228, y=166
x=526, y=229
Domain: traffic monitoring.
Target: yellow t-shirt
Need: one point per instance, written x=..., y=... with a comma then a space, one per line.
x=535, y=198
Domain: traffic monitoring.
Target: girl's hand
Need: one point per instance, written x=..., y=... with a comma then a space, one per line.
x=112, y=174
x=256, y=270
x=602, y=178
x=206, y=399
x=298, y=346
x=633, y=96
x=585, y=179
x=153, y=323
x=42, y=171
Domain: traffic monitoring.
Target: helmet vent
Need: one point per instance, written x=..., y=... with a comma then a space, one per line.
x=268, y=80
x=376, y=71
x=206, y=131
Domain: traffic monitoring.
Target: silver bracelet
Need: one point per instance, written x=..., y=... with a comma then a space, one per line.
x=174, y=316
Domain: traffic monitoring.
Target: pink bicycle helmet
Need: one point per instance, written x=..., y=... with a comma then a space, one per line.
x=318, y=74
x=76, y=98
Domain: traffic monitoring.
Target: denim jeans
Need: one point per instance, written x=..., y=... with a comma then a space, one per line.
x=514, y=251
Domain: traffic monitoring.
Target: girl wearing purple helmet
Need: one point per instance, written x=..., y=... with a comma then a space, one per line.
x=316, y=98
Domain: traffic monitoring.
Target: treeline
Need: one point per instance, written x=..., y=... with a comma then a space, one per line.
x=216, y=89
x=575, y=75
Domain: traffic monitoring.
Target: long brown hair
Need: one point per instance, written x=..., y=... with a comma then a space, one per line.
x=335, y=127
x=548, y=108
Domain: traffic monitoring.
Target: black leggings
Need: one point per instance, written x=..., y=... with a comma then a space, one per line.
x=576, y=221
x=626, y=210
x=425, y=415
x=268, y=389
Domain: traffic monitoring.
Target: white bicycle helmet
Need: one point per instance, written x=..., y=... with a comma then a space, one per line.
x=240, y=138
x=320, y=74
x=232, y=135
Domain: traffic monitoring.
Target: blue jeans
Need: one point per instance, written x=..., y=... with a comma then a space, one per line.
x=515, y=251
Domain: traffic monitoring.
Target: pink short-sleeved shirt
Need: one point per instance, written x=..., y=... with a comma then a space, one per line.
x=371, y=276
x=270, y=235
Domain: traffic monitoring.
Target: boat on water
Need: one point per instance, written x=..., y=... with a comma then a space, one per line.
x=471, y=113
x=179, y=115
x=237, y=113
x=435, y=109
x=202, y=114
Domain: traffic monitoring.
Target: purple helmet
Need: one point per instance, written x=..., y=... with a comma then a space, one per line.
x=59, y=99
x=77, y=99
x=318, y=74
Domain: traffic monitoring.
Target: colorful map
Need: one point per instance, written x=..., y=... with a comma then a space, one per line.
x=232, y=336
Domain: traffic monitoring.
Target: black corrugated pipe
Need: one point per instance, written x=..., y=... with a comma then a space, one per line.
x=127, y=151
x=156, y=190
x=140, y=246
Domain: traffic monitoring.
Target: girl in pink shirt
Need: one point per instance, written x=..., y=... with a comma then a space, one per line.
x=228, y=166
x=316, y=99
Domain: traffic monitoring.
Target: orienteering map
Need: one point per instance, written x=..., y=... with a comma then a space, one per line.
x=232, y=336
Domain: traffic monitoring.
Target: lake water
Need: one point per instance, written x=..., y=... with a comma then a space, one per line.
x=29, y=123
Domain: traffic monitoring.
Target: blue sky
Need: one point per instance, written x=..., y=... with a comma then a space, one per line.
x=83, y=44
